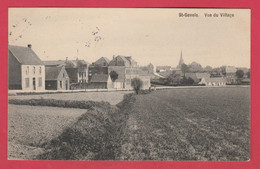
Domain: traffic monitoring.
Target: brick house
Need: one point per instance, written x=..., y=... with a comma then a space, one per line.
x=101, y=81
x=98, y=67
x=77, y=70
x=26, y=71
x=127, y=69
x=56, y=78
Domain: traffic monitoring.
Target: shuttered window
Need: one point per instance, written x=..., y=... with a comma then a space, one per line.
x=40, y=82
x=27, y=82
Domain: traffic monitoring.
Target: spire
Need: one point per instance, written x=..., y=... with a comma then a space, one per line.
x=181, y=61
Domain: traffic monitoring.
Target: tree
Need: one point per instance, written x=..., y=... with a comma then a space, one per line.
x=113, y=75
x=174, y=78
x=184, y=68
x=137, y=84
x=248, y=74
x=240, y=74
x=195, y=67
x=187, y=81
x=208, y=69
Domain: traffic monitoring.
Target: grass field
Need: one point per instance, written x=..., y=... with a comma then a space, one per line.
x=30, y=126
x=111, y=97
x=189, y=124
x=173, y=124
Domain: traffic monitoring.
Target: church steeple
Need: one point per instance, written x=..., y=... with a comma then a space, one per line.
x=180, y=62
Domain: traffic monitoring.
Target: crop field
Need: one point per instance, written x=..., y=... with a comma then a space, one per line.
x=30, y=126
x=189, y=124
x=111, y=97
x=207, y=124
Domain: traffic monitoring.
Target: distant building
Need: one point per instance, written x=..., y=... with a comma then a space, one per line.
x=77, y=70
x=127, y=69
x=26, y=71
x=163, y=68
x=101, y=81
x=231, y=74
x=217, y=81
x=98, y=67
x=56, y=78
x=197, y=76
x=180, y=62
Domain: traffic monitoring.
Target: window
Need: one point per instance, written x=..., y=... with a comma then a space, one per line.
x=40, y=70
x=63, y=75
x=34, y=69
x=79, y=74
x=60, y=84
x=27, y=82
x=40, y=82
x=27, y=70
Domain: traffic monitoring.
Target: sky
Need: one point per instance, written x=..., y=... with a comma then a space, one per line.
x=156, y=36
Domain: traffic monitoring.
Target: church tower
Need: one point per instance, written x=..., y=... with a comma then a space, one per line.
x=180, y=62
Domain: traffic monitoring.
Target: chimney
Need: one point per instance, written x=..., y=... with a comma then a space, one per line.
x=66, y=59
x=29, y=46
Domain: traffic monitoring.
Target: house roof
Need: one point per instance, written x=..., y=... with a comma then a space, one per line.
x=54, y=62
x=231, y=69
x=99, y=78
x=215, y=79
x=101, y=60
x=68, y=63
x=25, y=55
x=202, y=75
x=122, y=61
x=52, y=73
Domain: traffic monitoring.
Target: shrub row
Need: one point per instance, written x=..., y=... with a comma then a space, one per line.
x=59, y=103
x=95, y=136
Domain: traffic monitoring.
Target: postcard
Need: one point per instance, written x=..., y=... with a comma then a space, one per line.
x=129, y=84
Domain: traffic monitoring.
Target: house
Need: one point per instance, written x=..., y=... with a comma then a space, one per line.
x=163, y=68
x=197, y=76
x=101, y=81
x=231, y=74
x=26, y=71
x=56, y=78
x=103, y=61
x=77, y=70
x=98, y=67
x=216, y=81
x=127, y=69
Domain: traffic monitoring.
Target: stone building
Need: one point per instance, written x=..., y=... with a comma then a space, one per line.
x=26, y=71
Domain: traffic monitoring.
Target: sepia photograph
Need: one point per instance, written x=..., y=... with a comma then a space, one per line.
x=129, y=84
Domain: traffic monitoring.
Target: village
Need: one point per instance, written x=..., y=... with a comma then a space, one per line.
x=27, y=72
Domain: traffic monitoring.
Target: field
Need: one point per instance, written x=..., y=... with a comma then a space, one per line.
x=174, y=124
x=30, y=126
x=189, y=124
x=111, y=97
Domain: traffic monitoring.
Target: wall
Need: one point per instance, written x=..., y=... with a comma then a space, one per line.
x=73, y=74
x=51, y=84
x=84, y=78
x=64, y=78
x=14, y=73
x=32, y=75
x=120, y=70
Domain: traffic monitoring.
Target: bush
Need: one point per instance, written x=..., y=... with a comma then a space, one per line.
x=137, y=84
x=59, y=103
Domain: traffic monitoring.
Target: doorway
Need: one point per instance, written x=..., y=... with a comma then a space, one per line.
x=34, y=84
